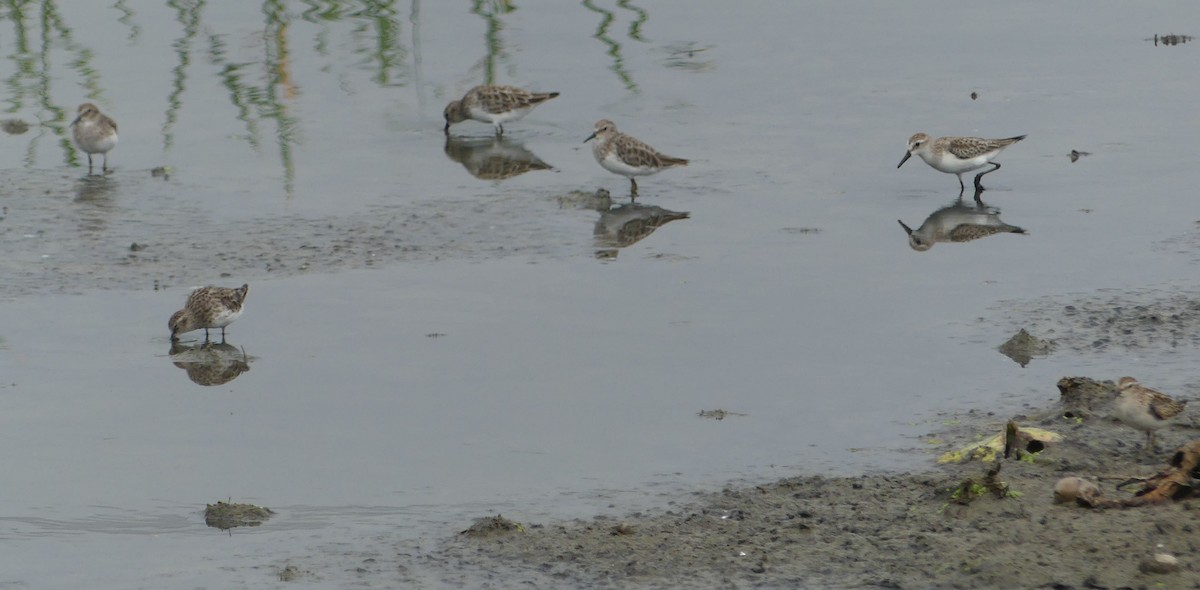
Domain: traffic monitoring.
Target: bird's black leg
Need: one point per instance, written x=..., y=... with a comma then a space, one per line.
x=978, y=185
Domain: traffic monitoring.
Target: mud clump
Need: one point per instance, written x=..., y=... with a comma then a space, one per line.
x=1023, y=346
x=492, y=526
x=227, y=515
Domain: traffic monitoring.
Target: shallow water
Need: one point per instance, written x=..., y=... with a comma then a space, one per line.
x=428, y=343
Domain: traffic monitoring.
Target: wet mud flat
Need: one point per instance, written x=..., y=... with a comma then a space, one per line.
x=909, y=530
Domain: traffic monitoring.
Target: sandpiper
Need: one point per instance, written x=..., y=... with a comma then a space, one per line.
x=494, y=104
x=956, y=155
x=95, y=133
x=1145, y=409
x=209, y=307
x=626, y=155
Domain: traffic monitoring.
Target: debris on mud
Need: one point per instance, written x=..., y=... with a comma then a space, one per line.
x=14, y=126
x=1023, y=346
x=491, y=526
x=227, y=515
x=1171, y=39
x=1081, y=396
x=717, y=414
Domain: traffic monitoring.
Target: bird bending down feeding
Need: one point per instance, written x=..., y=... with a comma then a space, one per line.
x=209, y=307
x=493, y=104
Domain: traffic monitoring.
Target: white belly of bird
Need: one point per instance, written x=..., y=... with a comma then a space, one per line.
x=224, y=317
x=950, y=164
x=618, y=166
x=100, y=145
x=494, y=118
x=1134, y=414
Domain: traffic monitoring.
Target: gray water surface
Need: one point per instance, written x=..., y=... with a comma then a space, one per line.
x=428, y=343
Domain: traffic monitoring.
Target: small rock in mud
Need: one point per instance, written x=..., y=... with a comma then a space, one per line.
x=226, y=515
x=1023, y=346
x=491, y=526
x=974, y=95
x=1077, y=490
x=289, y=573
x=14, y=126
x=1076, y=154
x=1159, y=563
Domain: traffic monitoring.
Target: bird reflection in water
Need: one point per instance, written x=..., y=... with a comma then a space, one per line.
x=210, y=363
x=493, y=158
x=628, y=224
x=619, y=226
x=958, y=222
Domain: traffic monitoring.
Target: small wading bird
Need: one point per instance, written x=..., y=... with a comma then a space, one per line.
x=94, y=133
x=1145, y=409
x=626, y=155
x=956, y=155
x=493, y=104
x=209, y=307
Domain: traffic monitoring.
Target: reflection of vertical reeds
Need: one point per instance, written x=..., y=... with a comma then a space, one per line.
x=127, y=19
x=277, y=59
x=635, y=27
x=614, y=48
x=31, y=80
x=490, y=10
x=414, y=19
x=388, y=52
x=187, y=12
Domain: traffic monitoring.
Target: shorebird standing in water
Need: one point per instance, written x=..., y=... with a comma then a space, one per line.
x=94, y=133
x=626, y=155
x=956, y=155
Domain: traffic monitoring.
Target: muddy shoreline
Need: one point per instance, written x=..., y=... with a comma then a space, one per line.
x=903, y=530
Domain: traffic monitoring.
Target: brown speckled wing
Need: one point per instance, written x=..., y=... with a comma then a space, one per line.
x=501, y=99
x=968, y=232
x=970, y=147
x=635, y=153
x=1163, y=407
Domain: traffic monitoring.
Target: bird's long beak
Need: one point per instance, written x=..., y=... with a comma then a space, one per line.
x=590, y=137
x=907, y=155
x=75, y=121
x=907, y=229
